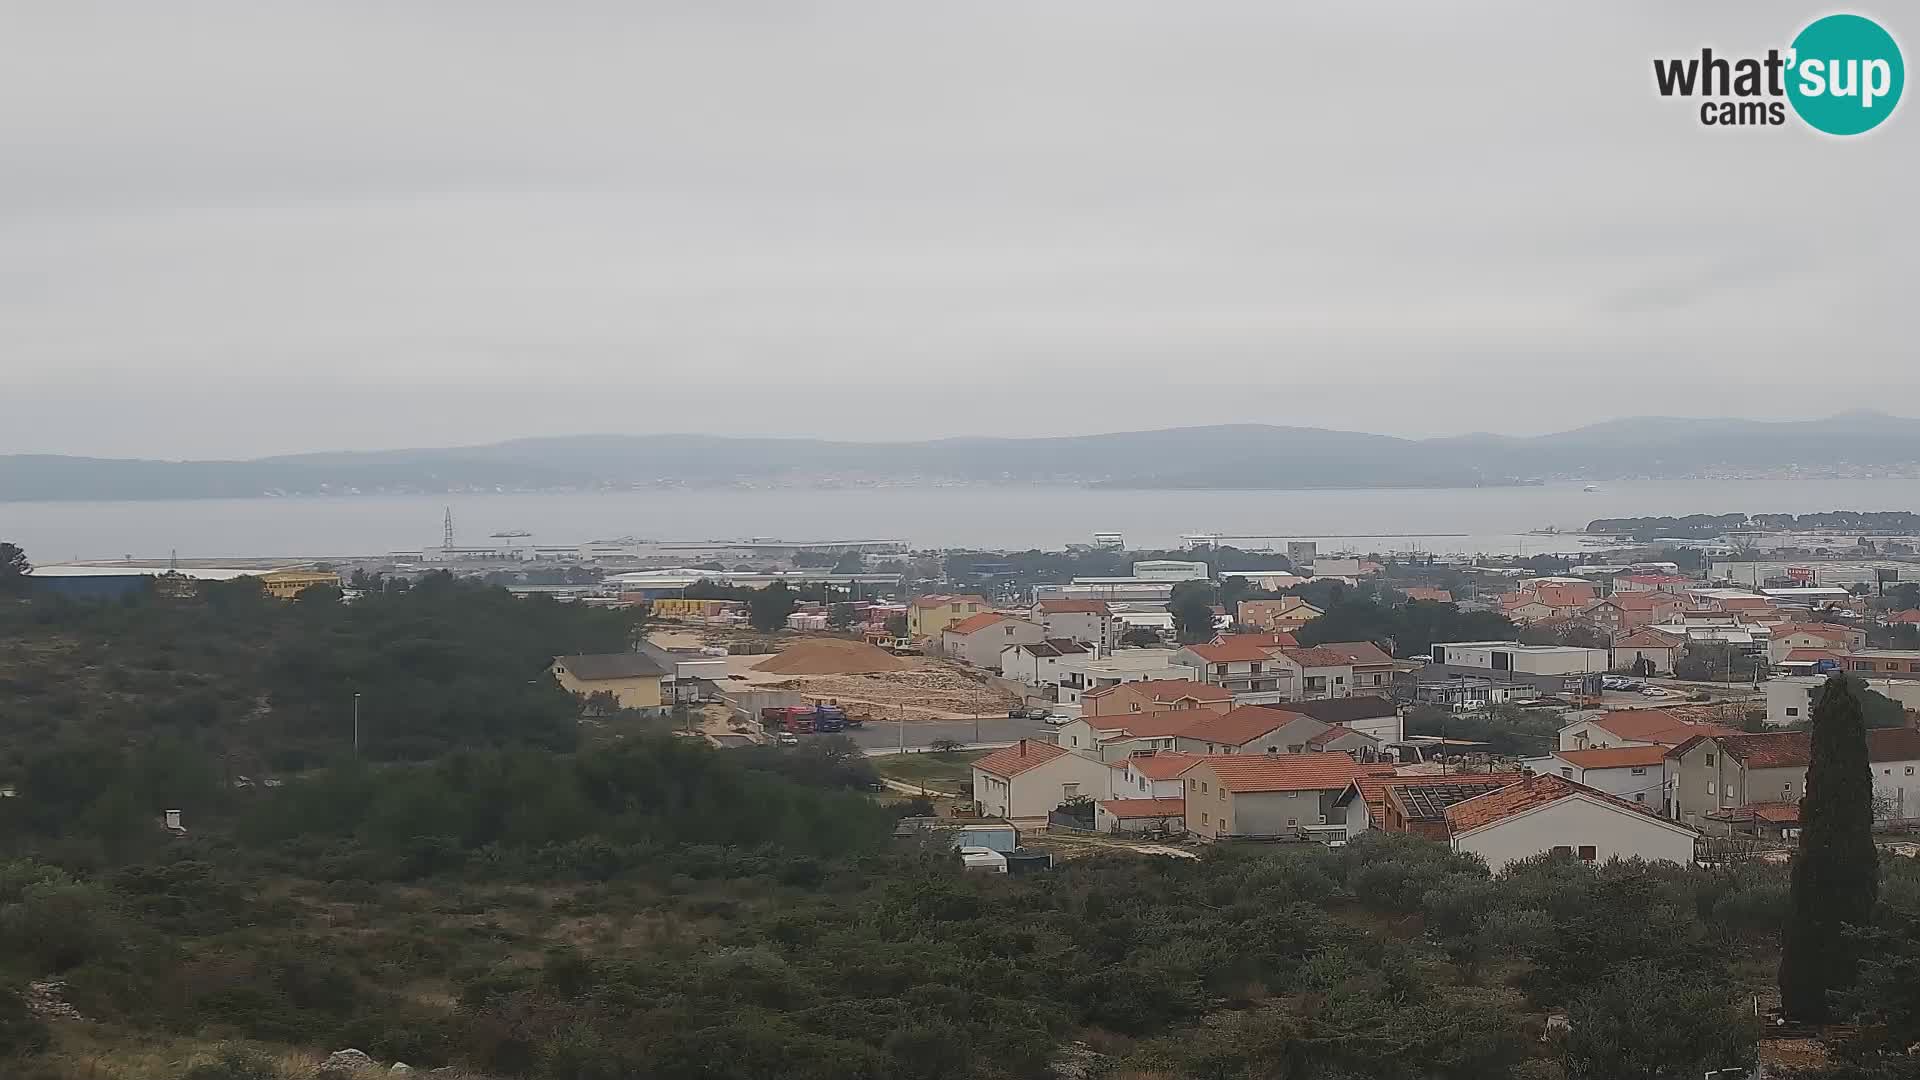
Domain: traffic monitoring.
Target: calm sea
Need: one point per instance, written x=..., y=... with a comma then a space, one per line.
x=1453, y=520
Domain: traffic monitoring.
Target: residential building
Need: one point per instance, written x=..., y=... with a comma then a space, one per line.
x=1151, y=774
x=1512, y=656
x=1153, y=695
x=1037, y=663
x=1323, y=671
x=1829, y=636
x=979, y=639
x=1026, y=781
x=1669, y=583
x=1634, y=773
x=1140, y=815
x=1268, y=795
x=632, y=678
x=1287, y=614
x=1624, y=613
x=1713, y=774
x=1418, y=592
x=1081, y=675
x=1249, y=729
x=1436, y=682
x=929, y=616
x=1369, y=714
x=1115, y=738
x=1356, y=744
x=1885, y=663
x=1370, y=669
x=1550, y=813
x=1415, y=804
x=1243, y=666
x=1633, y=727
x=1089, y=622
x=1790, y=698
x=1645, y=652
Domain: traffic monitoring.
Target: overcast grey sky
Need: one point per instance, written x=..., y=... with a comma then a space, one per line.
x=239, y=229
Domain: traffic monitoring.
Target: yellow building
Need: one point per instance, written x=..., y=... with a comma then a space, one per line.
x=676, y=608
x=929, y=616
x=287, y=584
x=632, y=679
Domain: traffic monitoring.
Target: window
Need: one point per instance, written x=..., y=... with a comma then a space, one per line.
x=1273, y=749
x=1339, y=680
x=1791, y=711
x=1639, y=796
x=1203, y=787
x=1192, y=784
x=1637, y=771
x=1587, y=853
x=1709, y=787
x=1562, y=849
x=1203, y=817
x=1709, y=757
x=1566, y=772
x=1787, y=787
x=1223, y=794
x=1292, y=822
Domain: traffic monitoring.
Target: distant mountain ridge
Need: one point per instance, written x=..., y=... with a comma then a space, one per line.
x=1228, y=456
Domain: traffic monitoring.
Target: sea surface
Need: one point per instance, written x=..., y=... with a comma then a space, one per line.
x=1469, y=520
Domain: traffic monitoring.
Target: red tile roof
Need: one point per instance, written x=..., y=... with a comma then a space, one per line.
x=1145, y=808
x=1358, y=652
x=1054, y=647
x=1169, y=690
x=1655, y=726
x=974, y=623
x=1769, y=749
x=1534, y=791
x=1899, y=617
x=1830, y=631
x=1773, y=813
x=1640, y=600
x=1893, y=744
x=1562, y=596
x=1011, y=761
x=1131, y=810
x=1269, y=641
x=1249, y=773
x=1240, y=726
x=1646, y=639
x=1416, y=592
x=1336, y=731
x=1157, y=724
x=1374, y=788
x=1803, y=655
x=1318, y=656
x=1074, y=607
x=1161, y=765
x=1614, y=757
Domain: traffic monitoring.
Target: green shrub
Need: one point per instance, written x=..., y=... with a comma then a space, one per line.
x=21, y=1032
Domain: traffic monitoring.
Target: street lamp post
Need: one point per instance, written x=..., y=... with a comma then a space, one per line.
x=356, y=724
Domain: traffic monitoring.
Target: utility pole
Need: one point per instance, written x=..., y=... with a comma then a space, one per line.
x=356, y=724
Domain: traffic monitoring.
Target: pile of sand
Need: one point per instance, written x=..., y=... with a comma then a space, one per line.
x=831, y=656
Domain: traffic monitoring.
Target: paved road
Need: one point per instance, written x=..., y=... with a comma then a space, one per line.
x=993, y=729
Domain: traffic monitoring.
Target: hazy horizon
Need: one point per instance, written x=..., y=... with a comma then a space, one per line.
x=234, y=231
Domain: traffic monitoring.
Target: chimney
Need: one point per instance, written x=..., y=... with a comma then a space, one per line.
x=1023, y=748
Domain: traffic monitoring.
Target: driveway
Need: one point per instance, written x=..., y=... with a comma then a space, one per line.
x=880, y=735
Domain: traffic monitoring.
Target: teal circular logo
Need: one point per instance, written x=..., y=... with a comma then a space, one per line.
x=1845, y=74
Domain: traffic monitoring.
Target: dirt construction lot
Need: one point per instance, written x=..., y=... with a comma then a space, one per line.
x=924, y=688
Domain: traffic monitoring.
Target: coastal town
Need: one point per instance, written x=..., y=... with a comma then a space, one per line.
x=1220, y=694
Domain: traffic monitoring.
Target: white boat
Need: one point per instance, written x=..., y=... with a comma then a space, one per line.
x=1591, y=487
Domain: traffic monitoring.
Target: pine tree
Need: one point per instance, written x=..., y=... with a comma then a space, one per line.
x=1836, y=872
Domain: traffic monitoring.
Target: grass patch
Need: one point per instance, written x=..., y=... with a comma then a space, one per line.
x=948, y=772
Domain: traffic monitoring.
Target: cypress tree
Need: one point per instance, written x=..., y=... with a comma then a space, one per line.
x=1836, y=872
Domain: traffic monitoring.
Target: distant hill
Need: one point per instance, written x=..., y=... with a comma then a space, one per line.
x=1244, y=456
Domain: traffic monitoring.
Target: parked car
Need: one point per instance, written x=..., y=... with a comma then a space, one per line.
x=789, y=740
x=1059, y=721
x=1039, y=712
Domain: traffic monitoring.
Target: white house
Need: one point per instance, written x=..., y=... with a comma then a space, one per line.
x=1636, y=774
x=1038, y=663
x=1027, y=780
x=979, y=639
x=1083, y=674
x=1550, y=813
x=1089, y=622
x=1632, y=727
x=1150, y=775
x=1525, y=659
